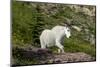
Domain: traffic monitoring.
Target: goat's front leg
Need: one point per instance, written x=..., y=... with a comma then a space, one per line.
x=61, y=48
x=59, y=51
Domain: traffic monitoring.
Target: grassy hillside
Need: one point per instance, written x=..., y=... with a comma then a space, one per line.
x=29, y=19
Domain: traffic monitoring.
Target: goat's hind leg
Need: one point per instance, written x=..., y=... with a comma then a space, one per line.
x=43, y=45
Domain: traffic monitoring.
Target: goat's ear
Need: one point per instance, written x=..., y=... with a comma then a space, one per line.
x=66, y=25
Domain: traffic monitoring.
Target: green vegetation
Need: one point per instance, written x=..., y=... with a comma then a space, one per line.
x=75, y=45
x=29, y=19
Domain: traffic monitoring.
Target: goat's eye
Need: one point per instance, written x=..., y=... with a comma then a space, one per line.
x=68, y=30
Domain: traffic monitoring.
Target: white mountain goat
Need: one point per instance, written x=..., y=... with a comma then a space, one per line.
x=54, y=37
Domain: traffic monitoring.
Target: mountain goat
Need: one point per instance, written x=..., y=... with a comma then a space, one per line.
x=54, y=37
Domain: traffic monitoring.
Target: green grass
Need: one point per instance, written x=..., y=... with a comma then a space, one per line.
x=76, y=45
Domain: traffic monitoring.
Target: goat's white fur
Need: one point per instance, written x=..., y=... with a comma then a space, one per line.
x=54, y=37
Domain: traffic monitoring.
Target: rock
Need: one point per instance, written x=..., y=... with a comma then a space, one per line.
x=45, y=56
x=57, y=60
x=72, y=57
x=34, y=53
x=77, y=28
